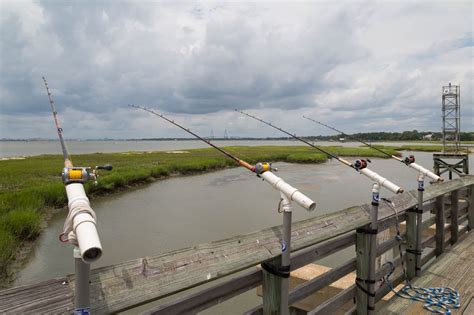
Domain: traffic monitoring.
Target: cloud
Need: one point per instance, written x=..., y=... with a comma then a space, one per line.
x=361, y=64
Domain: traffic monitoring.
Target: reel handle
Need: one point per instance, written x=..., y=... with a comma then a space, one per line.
x=106, y=167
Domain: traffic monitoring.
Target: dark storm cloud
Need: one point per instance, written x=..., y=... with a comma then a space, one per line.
x=105, y=54
x=337, y=61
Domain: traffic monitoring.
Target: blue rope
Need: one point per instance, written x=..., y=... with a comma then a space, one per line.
x=437, y=300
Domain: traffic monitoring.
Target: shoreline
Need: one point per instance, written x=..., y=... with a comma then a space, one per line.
x=195, y=162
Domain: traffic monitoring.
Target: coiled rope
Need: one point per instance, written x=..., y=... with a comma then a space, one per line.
x=439, y=300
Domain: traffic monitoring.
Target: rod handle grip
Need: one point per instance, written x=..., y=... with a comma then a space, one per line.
x=106, y=167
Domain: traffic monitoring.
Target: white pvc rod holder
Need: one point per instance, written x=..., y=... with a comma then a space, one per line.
x=382, y=181
x=425, y=172
x=289, y=191
x=84, y=225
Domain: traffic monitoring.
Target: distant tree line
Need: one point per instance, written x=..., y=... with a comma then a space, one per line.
x=396, y=136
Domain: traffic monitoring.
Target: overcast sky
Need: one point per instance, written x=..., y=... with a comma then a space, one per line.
x=359, y=65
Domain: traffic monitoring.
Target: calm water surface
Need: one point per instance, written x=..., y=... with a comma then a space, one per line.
x=185, y=211
x=29, y=148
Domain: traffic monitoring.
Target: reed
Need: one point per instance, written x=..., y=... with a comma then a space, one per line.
x=31, y=186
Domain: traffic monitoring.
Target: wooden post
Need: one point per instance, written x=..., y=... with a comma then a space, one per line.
x=470, y=217
x=372, y=244
x=366, y=253
x=454, y=216
x=411, y=228
x=271, y=288
x=439, y=208
x=362, y=256
x=419, y=224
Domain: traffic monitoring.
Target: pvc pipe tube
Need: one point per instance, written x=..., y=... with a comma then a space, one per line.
x=83, y=223
x=425, y=172
x=290, y=192
x=382, y=181
x=82, y=288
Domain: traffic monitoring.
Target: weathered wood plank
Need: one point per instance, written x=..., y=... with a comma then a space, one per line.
x=306, y=289
x=454, y=216
x=335, y=302
x=440, y=219
x=271, y=289
x=128, y=284
x=223, y=291
x=209, y=297
x=411, y=238
x=362, y=271
x=124, y=285
x=471, y=208
x=51, y=296
x=454, y=269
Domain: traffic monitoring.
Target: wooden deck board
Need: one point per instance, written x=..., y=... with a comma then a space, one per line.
x=51, y=296
x=129, y=284
x=453, y=269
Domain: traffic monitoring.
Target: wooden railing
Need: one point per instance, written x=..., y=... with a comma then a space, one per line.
x=136, y=282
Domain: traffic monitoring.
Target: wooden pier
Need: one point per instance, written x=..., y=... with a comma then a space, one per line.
x=448, y=205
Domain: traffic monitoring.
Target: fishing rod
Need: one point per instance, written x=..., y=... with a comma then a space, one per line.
x=80, y=228
x=408, y=161
x=300, y=139
x=67, y=159
x=358, y=165
x=261, y=169
x=70, y=173
x=266, y=167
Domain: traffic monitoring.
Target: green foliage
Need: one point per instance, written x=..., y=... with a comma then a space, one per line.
x=23, y=224
x=413, y=135
x=8, y=246
x=306, y=158
x=29, y=186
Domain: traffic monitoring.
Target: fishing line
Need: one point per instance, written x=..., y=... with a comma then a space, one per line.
x=439, y=300
x=58, y=126
x=408, y=161
x=298, y=138
x=358, y=165
x=258, y=168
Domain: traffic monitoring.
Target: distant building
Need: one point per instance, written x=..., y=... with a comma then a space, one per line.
x=342, y=139
x=428, y=137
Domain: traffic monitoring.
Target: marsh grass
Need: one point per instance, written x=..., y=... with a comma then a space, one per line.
x=30, y=186
x=418, y=147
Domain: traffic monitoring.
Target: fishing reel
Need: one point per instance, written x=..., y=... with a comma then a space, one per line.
x=360, y=164
x=259, y=168
x=409, y=159
x=82, y=175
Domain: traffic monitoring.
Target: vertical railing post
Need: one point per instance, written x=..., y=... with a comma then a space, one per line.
x=372, y=238
x=362, y=263
x=470, y=215
x=411, y=243
x=271, y=287
x=439, y=208
x=414, y=225
x=454, y=216
x=419, y=224
x=276, y=272
x=366, y=254
x=82, y=290
x=285, y=207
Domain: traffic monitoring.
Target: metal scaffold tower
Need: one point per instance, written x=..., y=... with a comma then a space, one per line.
x=451, y=117
x=451, y=101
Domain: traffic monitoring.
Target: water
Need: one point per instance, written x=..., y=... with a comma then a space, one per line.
x=185, y=211
x=29, y=148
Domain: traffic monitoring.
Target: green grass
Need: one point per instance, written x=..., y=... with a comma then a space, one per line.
x=31, y=186
x=414, y=147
